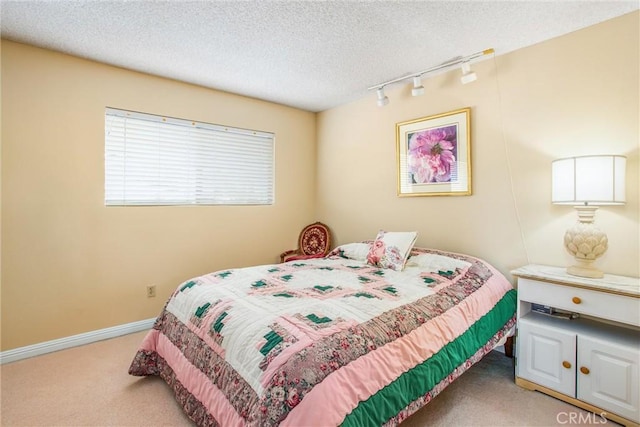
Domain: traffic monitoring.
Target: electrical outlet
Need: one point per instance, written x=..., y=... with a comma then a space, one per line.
x=151, y=291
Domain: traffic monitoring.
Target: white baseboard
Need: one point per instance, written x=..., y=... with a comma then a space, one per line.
x=74, y=341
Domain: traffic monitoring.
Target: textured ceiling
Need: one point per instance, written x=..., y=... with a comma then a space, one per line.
x=313, y=55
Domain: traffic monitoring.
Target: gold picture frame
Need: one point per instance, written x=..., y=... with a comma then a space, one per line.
x=434, y=155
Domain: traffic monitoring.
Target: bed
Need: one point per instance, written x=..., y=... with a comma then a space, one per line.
x=340, y=340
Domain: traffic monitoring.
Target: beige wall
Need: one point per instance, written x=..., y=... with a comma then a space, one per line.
x=72, y=265
x=574, y=95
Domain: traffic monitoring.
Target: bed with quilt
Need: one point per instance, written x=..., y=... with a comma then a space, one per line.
x=357, y=338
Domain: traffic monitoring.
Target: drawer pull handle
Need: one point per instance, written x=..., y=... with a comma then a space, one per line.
x=584, y=370
x=566, y=364
x=576, y=300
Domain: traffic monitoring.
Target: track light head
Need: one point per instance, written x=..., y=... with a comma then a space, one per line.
x=468, y=76
x=382, y=98
x=418, y=89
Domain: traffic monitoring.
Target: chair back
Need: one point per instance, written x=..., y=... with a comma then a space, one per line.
x=315, y=239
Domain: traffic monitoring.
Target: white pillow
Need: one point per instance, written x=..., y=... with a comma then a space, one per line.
x=434, y=262
x=357, y=251
x=391, y=249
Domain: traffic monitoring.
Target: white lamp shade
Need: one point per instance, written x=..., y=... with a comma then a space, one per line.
x=595, y=180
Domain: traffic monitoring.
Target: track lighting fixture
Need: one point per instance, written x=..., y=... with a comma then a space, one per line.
x=468, y=76
x=418, y=89
x=382, y=98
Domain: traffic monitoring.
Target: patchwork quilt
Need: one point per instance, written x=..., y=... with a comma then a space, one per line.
x=330, y=341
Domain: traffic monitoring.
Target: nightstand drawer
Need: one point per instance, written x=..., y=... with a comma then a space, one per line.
x=593, y=303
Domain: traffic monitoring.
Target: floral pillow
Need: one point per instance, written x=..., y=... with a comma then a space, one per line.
x=391, y=249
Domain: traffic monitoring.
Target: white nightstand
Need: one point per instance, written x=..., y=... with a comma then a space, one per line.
x=592, y=362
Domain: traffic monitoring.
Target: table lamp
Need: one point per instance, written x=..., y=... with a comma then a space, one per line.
x=587, y=182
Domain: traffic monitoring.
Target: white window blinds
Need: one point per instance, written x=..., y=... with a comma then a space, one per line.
x=154, y=160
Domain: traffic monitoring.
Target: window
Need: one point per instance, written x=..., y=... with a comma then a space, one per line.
x=154, y=160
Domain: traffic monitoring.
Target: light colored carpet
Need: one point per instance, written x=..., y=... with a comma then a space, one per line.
x=89, y=386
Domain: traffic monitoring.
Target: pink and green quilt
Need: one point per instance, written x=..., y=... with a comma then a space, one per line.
x=324, y=342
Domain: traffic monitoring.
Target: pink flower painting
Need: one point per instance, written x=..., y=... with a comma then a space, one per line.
x=432, y=155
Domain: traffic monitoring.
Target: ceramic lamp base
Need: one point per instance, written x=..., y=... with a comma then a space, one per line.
x=585, y=269
x=586, y=243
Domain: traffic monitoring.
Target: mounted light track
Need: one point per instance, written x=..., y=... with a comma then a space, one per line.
x=468, y=76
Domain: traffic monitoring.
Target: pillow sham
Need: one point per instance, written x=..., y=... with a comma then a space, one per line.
x=357, y=251
x=391, y=249
x=435, y=262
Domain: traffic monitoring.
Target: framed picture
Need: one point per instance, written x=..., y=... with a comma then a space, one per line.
x=434, y=155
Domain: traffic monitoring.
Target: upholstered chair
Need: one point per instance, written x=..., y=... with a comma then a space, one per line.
x=314, y=242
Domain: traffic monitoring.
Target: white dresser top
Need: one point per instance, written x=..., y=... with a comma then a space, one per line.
x=623, y=285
